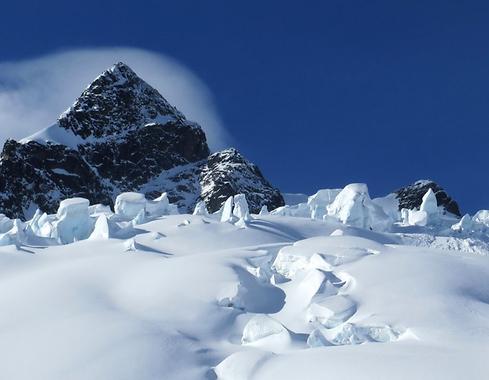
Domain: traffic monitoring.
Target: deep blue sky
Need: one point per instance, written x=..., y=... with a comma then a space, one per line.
x=319, y=93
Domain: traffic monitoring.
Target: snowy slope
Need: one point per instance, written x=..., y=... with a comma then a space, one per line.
x=151, y=294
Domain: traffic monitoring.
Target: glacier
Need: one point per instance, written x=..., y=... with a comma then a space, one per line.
x=335, y=285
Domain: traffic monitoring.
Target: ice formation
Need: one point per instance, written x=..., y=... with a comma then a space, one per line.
x=73, y=221
x=227, y=210
x=101, y=230
x=275, y=288
x=322, y=198
x=314, y=208
x=161, y=206
x=241, y=210
x=429, y=204
x=353, y=206
x=200, y=209
x=129, y=204
x=262, y=330
x=464, y=225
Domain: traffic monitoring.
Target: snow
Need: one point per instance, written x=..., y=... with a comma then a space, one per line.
x=292, y=199
x=429, y=203
x=322, y=198
x=73, y=221
x=241, y=210
x=101, y=229
x=353, y=206
x=227, y=210
x=200, y=209
x=129, y=204
x=189, y=297
x=55, y=134
x=161, y=206
x=265, y=332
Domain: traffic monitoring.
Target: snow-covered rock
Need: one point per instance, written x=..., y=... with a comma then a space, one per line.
x=410, y=197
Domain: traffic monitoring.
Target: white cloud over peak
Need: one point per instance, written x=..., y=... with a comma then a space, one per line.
x=34, y=92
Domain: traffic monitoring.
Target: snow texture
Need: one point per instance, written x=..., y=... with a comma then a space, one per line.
x=144, y=293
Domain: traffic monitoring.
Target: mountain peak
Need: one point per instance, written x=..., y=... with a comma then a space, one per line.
x=119, y=73
x=118, y=100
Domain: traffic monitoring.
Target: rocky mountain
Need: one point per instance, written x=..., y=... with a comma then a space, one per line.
x=122, y=135
x=411, y=196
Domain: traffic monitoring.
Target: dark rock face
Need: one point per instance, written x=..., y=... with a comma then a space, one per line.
x=143, y=153
x=411, y=196
x=214, y=180
x=35, y=175
x=117, y=101
x=227, y=173
x=124, y=136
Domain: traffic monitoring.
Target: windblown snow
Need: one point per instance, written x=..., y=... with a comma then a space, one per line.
x=336, y=285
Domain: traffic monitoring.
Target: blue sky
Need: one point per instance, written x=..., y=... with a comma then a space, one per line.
x=318, y=94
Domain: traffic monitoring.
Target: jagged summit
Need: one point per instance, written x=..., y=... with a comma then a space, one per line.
x=120, y=135
x=117, y=100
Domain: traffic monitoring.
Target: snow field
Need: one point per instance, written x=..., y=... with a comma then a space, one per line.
x=237, y=296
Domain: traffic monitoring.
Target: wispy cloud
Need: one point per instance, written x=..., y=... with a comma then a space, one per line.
x=34, y=92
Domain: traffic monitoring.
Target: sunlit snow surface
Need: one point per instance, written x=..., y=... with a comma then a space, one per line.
x=251, y=297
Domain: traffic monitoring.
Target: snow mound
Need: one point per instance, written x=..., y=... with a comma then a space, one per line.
x=241, y=365
x=331, y=311
x=264, y=331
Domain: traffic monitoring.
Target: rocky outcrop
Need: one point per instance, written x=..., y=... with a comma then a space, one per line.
x=227, y=173
x=411, y=196
x=122, y=135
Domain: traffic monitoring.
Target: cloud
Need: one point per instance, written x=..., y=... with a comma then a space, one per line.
x=34, y=92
